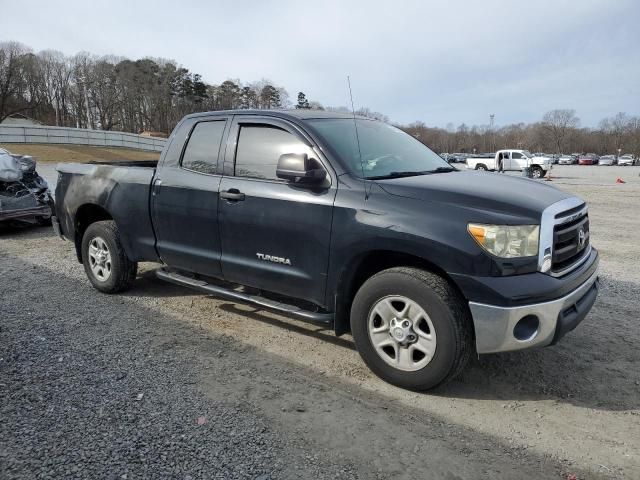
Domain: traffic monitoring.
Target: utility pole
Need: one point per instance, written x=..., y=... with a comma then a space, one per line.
x=491, y=135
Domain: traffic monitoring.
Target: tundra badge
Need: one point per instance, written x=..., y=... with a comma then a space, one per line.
x=271, y=258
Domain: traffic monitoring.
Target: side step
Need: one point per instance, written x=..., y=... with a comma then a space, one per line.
x=265, y=303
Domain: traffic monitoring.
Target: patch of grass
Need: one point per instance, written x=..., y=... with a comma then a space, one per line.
x=53, y=153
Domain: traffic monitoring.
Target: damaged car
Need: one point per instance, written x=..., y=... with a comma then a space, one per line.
x=24, y=195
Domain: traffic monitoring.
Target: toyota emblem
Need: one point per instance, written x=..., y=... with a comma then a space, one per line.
x=582, y=238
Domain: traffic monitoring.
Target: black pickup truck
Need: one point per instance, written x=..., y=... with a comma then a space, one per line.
x=345, y=221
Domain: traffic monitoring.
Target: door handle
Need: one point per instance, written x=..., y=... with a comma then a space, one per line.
x=233, y=195
x=156, y=187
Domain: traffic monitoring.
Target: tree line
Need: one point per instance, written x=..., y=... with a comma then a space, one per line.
x=558, y=131
x=114, y=93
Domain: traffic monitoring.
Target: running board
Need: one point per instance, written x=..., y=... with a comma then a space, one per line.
x=266, y=303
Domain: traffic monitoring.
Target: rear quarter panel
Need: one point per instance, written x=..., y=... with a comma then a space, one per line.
x=122, y=191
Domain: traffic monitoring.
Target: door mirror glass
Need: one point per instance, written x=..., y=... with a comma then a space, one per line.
x=299, y=167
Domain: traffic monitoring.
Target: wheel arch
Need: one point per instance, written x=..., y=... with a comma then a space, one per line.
x=85, y=215
x=366, y=264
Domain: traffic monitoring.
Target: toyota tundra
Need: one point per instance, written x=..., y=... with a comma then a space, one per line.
x=344, y=221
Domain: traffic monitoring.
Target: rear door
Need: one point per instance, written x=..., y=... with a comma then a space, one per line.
x=274, y=234
x=185, y=200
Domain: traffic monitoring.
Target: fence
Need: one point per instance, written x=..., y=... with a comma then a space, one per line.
x=78, y=136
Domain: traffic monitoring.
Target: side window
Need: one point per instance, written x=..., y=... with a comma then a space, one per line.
x=201, y=154
x=516, y=155
x=260, y=147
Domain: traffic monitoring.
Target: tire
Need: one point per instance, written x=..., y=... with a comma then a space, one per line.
x=481, y=167
x=106, y=256
x=447, y=319
x=537, y=172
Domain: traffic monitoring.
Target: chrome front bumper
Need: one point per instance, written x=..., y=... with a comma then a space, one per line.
x=499, y=329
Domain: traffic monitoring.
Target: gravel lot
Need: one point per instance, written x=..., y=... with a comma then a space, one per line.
x=165, y=382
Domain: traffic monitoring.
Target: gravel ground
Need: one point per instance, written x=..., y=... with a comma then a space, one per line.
x=111, y=386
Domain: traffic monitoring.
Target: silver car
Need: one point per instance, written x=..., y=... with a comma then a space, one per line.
x=567, y=160
x=626, y=159
x=607, y=160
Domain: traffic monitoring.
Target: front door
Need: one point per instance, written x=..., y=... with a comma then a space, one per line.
x=274, y=234
x=185, y=202
x=518, y=161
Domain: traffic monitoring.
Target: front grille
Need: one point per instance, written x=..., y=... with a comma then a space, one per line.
x=570, y=241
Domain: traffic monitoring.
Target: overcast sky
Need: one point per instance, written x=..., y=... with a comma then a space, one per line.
x=439, y=62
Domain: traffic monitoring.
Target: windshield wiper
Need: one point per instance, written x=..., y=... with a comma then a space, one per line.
x=398, y=175
x=412, y=174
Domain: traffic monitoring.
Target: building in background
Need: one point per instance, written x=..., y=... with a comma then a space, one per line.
x=20, y=120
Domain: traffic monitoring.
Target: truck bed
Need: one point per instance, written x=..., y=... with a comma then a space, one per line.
x=120, y=188
x=126, y=163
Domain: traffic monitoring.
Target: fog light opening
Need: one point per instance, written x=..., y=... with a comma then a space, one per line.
x=526, y=328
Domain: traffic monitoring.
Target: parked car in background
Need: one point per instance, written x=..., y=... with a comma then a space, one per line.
x=457, y=157
x=512, y=160
x=24, y=195
x=626, y=159
x=607, y=160
x=567, y=160
x=588, y=159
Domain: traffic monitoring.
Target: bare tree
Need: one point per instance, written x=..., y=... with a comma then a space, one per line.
x=16, y=70
x=558, y=124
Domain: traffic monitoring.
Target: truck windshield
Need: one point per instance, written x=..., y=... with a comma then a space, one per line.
x=386, y=151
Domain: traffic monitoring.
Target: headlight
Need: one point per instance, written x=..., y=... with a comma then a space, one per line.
x=507, y=241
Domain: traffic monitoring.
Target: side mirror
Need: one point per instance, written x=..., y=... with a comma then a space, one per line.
x=299, y=167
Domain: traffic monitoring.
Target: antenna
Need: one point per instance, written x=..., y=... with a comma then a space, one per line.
x=355, y=126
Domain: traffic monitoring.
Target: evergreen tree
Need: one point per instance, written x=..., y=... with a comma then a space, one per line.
x=302, y=101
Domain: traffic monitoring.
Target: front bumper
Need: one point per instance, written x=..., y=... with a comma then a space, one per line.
x=25, y=213
x=503, y=329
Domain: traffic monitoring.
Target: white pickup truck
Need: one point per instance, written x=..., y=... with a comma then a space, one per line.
x=511, y=160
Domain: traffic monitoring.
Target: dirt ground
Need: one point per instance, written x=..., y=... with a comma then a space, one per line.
x=45, y=153
x=573, y=408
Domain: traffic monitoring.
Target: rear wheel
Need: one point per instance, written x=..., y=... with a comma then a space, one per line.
x=482, y=167
x=105, y=261
x=411, y=328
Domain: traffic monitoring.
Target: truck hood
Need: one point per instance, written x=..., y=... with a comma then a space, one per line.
x=479, y=191
x=539, y=159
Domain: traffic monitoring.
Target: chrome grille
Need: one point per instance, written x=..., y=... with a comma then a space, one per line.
x=570, y=239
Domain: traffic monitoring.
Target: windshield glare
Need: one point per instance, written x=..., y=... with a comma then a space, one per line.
x=384, y=149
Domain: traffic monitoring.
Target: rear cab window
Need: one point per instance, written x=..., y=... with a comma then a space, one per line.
x=201, y=152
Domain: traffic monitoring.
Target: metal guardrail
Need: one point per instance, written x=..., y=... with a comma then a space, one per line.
x=78, y=136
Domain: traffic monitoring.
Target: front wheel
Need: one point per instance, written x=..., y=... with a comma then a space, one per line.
x=411, y=328
x=537, y=172
x=105, y=261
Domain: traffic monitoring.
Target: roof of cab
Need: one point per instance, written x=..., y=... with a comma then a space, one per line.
x=292, y=114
